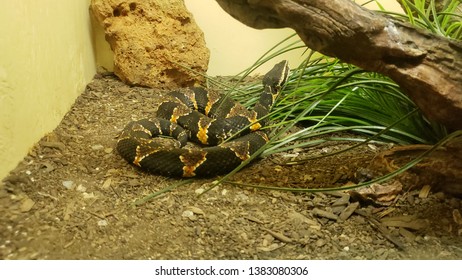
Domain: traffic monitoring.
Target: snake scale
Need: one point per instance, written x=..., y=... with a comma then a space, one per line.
x=207, y=118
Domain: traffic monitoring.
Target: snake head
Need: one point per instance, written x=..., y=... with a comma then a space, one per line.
x=277, y=76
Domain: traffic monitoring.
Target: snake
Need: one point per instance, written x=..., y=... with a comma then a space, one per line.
x=226, y=132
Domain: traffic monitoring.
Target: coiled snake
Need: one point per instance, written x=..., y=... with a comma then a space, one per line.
x=207, y=118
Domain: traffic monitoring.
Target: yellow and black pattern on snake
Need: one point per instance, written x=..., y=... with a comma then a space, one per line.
x=205, y=117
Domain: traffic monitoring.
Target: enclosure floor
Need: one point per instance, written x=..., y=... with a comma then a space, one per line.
x=72, y=198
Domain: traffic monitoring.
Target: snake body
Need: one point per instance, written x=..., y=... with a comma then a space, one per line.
x=205, y=117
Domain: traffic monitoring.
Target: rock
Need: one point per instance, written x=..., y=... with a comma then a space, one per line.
x=324, y=214
x=346, y=213
x=299, y=218
x=102, y=223
x=188, y=214
x=320, y=242
x=196, y=210
x=68, y=184
x=27, y=205
x=81, y=188
x=405, y=221
x=152, y=40
x=97, y=147
x=107, y=184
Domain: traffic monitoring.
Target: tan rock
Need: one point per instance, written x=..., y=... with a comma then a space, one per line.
x=152, y=40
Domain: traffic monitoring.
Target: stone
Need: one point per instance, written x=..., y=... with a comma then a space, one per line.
x=27, y=205
x=153, y=41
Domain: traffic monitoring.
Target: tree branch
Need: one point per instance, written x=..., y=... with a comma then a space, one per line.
x=426, y=66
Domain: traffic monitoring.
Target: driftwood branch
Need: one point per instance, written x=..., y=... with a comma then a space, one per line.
x=428, y=67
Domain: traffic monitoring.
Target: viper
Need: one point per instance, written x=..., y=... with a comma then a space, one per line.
x=228, y=132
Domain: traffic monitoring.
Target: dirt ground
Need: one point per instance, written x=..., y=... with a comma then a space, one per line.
x=72, y=198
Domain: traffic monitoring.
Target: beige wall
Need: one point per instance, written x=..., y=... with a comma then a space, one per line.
x=233, y=46
x=46, y=60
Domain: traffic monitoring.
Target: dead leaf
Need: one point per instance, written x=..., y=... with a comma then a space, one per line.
x=378, y=193
x=424, y=191
x=196, y=210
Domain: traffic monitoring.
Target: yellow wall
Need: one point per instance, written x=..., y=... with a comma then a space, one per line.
x=233, y=46
x=46, y=59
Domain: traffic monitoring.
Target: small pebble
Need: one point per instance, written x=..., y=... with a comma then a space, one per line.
x=124, y=89
x=81, y=188
x=343, y=200
x=88, y=195
x=346, y=213
x=107, y=183
x=187, y=214
x=457, y=216
x=320, y=242
x=454, y=202
x=26, y=205
x=102, y=223
x=324, y=214
x=195, y=210
x=68, y=184
x=97, y=147
x=242, y=197
x=440, y=195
